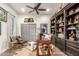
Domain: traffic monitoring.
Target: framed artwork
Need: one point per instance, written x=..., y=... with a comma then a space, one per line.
x=28, y=20
x=0, y=28
x=3, y=15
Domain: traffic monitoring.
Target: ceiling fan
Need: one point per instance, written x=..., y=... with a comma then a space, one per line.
x=36, y=8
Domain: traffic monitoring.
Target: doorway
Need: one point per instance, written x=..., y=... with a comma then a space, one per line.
x=44, y=28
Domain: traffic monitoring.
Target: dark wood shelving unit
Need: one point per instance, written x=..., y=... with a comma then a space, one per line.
x=60, y=42
x=67, y=38
x=59, y=30
x=52, y=28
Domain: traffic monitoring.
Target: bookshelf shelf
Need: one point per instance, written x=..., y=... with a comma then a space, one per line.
x=60, y=26
x=73, y=24
x=75, y=13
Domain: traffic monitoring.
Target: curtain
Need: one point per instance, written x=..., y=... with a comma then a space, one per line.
x=10, y=24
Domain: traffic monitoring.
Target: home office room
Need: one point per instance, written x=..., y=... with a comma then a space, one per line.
x=39, y=29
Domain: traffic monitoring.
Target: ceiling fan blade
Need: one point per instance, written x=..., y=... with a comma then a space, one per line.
x=29, y=7
x=37, y=12
x=38, y=5
x=42, y=9
x=31, y=11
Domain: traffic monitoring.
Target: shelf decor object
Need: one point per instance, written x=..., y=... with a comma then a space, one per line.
x=3, y=15
x=72, y=11
x=76, y=19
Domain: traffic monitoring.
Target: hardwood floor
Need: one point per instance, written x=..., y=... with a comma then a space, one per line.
x=26, y=51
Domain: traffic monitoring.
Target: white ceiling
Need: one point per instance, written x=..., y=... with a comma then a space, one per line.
x=18, y=6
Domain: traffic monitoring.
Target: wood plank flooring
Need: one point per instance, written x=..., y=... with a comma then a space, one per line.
x=26, y=51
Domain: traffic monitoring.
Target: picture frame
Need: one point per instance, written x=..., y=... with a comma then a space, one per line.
x=28, y=20
x=0, y=28
x=3, y=15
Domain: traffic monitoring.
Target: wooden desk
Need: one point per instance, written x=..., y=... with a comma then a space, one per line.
x=41, y=43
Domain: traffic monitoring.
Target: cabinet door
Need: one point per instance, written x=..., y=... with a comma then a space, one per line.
x=28, y=32
x=60, y=43
x=32, y=32
x=53, y=40
x=72, y=48
x=25, y=32
x=22, y=32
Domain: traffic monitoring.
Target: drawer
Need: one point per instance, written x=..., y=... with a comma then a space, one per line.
x=72, y=50
x=60, y=43
x=75, y=45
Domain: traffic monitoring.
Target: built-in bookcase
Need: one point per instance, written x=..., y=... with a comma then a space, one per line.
x=53, y=28
x=66, y=28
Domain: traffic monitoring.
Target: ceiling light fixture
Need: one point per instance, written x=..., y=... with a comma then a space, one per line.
x=47, y=10
x=23, y=9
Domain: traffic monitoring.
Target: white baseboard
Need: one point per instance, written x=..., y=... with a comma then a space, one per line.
x=4, y=50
